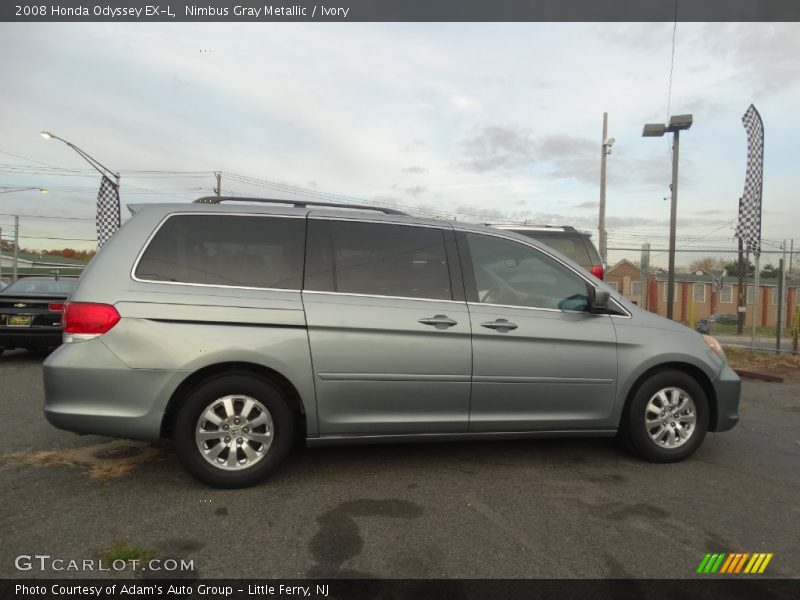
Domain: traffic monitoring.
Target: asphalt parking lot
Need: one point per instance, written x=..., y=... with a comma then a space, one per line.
x=555, y=508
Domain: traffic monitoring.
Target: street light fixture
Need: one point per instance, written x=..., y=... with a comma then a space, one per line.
x=677, y=123
x=9, y=189
x=98, y=166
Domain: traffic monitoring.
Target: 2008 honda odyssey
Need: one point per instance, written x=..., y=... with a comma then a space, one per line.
x=233, y=329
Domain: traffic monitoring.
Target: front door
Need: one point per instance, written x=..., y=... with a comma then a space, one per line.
x=541, y=360
x=388, y=327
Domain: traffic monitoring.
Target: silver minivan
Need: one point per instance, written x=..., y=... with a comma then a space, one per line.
x=235, y=329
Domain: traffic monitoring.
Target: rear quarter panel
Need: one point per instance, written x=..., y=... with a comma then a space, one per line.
x=184, y=328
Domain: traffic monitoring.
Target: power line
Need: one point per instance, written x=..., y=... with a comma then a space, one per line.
x=45, y=217
x=672, y=61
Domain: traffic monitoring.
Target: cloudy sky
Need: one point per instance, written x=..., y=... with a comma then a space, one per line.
x=479, y=120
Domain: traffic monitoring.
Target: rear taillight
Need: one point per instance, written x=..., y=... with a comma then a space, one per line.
x=598, y=271
x=87, y=320
x=55, y=307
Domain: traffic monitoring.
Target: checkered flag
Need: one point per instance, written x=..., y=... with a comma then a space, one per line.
x=748, y=229
x=108, y=211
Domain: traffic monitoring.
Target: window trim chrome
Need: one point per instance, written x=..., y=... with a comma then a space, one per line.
x=379, y=296
x=208, y=285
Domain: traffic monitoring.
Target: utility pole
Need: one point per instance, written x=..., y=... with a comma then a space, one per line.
x=741, y=302
x=16, y=246
x=605, y=150
x=218, y=189
x=673, y=220
x=1, y=254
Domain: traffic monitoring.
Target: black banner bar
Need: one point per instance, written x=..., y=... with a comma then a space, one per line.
x=704, y=587
x=255, y=11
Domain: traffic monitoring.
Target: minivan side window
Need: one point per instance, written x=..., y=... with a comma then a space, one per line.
x=513, y=274
x=377, y=259
x=226, y=250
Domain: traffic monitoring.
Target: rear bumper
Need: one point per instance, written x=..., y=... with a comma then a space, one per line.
x=727, y=389
x=29, y=337
x=89, y=390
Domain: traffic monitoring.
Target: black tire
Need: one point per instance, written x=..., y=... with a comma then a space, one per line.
x=207, y=393
x=634, y=432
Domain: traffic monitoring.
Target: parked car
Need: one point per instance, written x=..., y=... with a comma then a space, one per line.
x=30, y=312
x=704, y=325
x=234, y=329
x=574, y=244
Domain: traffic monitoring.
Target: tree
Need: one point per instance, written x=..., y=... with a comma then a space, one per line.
x=709, y=264
x=770, y=272
x=734, y=267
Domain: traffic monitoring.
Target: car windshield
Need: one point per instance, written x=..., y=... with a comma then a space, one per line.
x=31, y=285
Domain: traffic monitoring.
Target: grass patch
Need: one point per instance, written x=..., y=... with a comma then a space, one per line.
x=85, y=458
x=125, y=551
x=784, y=364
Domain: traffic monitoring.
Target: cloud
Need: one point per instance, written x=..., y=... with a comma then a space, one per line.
x=415, y=170
x=505, y=148
x=497, y=148
x=415, y=190
x=589, y=204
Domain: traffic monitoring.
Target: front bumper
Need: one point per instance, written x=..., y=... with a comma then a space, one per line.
x=89, y=390
x=728, y=390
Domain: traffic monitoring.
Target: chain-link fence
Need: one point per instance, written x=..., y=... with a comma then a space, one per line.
x=717, y=291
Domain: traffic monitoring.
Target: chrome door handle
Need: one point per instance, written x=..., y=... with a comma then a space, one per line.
x=439, y=321
x=501, y=325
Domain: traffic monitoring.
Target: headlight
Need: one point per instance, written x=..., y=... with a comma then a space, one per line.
x=714, y=345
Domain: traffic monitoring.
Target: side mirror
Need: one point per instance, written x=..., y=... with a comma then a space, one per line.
x=598, y=300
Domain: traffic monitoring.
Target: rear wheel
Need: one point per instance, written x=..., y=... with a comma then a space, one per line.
x=233, y=431
x=667, y=418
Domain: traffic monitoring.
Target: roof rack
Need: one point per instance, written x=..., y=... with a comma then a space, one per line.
x=531, y=225
x=298, y=203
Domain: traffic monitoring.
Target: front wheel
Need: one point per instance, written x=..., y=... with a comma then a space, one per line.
x=667, y=418
x=233, y=431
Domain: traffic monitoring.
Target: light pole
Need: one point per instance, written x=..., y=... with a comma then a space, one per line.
x=15, y=263
x=605, y=151
x=102, y=169
x=677, y=123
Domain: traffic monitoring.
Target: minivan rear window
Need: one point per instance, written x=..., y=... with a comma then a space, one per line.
x=570, y=245
x=226, y=250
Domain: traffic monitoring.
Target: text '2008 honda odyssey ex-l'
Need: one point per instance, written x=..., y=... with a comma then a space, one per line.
x=235, y=328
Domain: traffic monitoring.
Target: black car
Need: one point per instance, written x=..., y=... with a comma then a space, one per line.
x=30, y=312
x=574, y=244
x=704, y=325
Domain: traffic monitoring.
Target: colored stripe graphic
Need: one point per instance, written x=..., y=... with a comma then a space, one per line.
x=718, y=563
x=703, y=563
x=734, y=563
x=765, y=563
x=727, y=564
x=740, y=564
x=754, y=563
